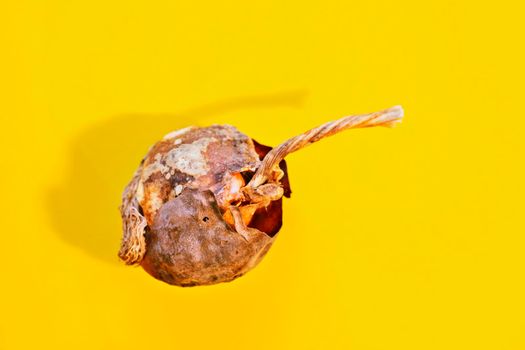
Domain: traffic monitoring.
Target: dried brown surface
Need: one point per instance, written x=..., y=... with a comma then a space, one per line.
x=183, y=190
x=190, y=243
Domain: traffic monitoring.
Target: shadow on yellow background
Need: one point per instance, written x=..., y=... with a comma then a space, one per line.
x=83, y=208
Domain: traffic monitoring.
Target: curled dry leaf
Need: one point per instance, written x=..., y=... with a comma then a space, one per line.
x=205, y=204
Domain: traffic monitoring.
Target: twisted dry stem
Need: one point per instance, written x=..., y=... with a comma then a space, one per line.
x=387, y=117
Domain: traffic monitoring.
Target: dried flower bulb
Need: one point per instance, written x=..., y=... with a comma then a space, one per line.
x=205, y=204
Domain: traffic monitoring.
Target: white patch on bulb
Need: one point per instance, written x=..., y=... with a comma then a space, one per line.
x=155, y=202
x=140, y=192
x=155, y=167
x=177, y=133
x=186, y=158
x=189, y=158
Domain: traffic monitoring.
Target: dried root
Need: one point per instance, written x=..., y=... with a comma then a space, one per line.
x=133, y=245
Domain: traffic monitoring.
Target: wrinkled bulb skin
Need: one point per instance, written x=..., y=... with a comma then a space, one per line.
x=205, y=204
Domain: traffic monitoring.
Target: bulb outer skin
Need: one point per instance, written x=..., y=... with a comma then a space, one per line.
x=190, y=243
x=183, y=189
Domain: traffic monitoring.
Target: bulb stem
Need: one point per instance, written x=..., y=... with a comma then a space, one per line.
x=387, y=117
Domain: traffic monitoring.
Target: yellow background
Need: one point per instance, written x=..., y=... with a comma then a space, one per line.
x=404, y=238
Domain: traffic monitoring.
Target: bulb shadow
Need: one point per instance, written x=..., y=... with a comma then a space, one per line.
x=83, y=208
